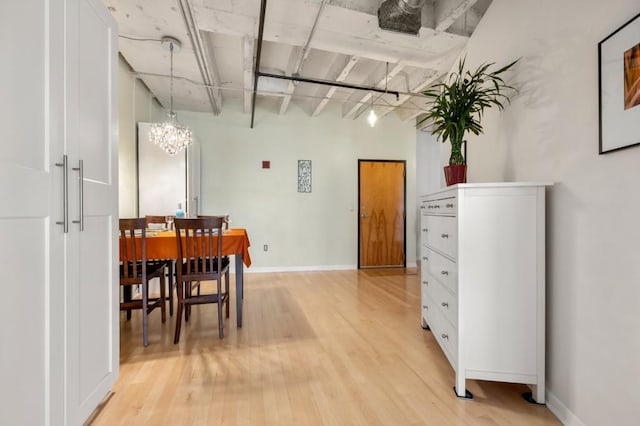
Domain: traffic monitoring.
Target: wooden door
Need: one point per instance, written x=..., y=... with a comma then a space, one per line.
x=381, y=212
x=31, y=243
x=92, y=314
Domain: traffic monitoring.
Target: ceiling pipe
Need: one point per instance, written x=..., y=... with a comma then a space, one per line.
x=263, y=7
x=257, y=73
x=404, y=16
x=208, y=71
x=328, y=83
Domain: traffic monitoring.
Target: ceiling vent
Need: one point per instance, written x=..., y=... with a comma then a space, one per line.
x=404, y=16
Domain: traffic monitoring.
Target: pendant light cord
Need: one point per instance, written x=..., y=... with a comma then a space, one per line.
x=171, y=82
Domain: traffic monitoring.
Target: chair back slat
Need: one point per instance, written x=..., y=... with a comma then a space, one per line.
x=133, y=260
x=198, y=242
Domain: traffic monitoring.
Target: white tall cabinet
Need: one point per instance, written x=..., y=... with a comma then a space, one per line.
x=58, y=163
x=483, y=281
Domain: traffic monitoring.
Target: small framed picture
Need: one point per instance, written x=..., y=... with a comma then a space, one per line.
x=304, y=175
x=619, y=87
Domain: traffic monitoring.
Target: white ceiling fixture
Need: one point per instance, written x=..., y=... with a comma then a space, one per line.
x=171, y=136
x=337, y=41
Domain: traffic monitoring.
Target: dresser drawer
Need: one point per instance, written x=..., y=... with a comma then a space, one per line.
x=441, y=269
x=441, y=234
x=444, y=301
x=445, y=334
x=440, y=206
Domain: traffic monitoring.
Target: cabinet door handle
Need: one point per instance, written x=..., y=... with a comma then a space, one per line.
x=444, y=336
x=425, y=282
x=80, y=170
x=444, y=272
x=445, y=304
x=445, y=235
x=449, y=205
x=65, y=193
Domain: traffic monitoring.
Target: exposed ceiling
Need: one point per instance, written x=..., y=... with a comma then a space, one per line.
x=329, y=40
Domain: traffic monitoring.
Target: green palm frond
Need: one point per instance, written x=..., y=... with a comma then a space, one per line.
x=457, y=105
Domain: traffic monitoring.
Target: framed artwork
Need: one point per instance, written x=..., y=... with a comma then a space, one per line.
x=304, y=175
x=619, y=87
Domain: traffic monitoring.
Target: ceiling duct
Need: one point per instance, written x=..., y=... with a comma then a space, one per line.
x=404, y=16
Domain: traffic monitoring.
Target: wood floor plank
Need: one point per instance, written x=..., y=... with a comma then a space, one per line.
x=317, y=348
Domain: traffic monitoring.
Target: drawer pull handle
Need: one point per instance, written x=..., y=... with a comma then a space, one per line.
x=430, y=206
x=425, y=307
x=444, y=272
x=425, y=230
x=425, y=258
x=422, y=207
x=425, y=282
x=445, y=305
x=437, y=206
x=444, y=336
x=449, y=205
x=445, y=235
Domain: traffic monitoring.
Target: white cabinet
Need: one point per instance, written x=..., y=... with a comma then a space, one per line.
x=483, y=280
x=59, y=324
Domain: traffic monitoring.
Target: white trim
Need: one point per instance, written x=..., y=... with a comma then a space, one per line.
x=300, y=268
x=566, y=416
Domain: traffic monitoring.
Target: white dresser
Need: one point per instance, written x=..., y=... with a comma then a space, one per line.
x=483, y=281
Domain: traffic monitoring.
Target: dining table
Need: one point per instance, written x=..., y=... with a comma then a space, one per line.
x=235, y=241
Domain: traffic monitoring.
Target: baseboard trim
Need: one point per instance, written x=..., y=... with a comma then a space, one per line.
x=566, y=416
x=300, y=268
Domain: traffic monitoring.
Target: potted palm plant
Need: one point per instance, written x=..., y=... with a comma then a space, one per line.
x=457, y=105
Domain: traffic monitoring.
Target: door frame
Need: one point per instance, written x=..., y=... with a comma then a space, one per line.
x=404, y=205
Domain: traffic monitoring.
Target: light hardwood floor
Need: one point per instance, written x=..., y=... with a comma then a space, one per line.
x=337, y=348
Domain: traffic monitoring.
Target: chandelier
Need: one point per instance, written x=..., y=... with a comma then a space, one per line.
x=171, y=136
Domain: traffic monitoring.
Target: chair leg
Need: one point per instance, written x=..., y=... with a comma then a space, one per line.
x=170, y=287
x=226, y=287
x=220, y=296
x=126, y=296
x=179, y=288
x=163, y=297
x=145, y=314
x=187, y=308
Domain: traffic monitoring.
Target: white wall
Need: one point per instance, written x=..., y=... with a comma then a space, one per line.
x=135, y=103
x=302, y=230
x=550, y=133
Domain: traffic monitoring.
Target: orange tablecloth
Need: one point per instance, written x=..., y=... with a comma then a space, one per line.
x=163, y=245
x=235, y=241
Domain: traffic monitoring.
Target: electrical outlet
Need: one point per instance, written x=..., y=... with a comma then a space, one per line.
x=266, y=247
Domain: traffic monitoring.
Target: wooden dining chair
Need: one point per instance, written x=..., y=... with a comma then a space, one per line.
x=198, y=243
x=136, y=270
x=170, y=263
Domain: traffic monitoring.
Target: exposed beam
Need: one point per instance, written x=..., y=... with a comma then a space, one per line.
x=408, y=113
x=448, y=11
x=340, y=30
x=204, y=56
x=379, y=78
x=301, y=57
x=339, y=71
x=417, y=88
x=248, y=45
x=295, y=60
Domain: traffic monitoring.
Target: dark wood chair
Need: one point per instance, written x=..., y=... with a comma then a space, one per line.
x=197, y=240
x=135, y=270
x=169, y=262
